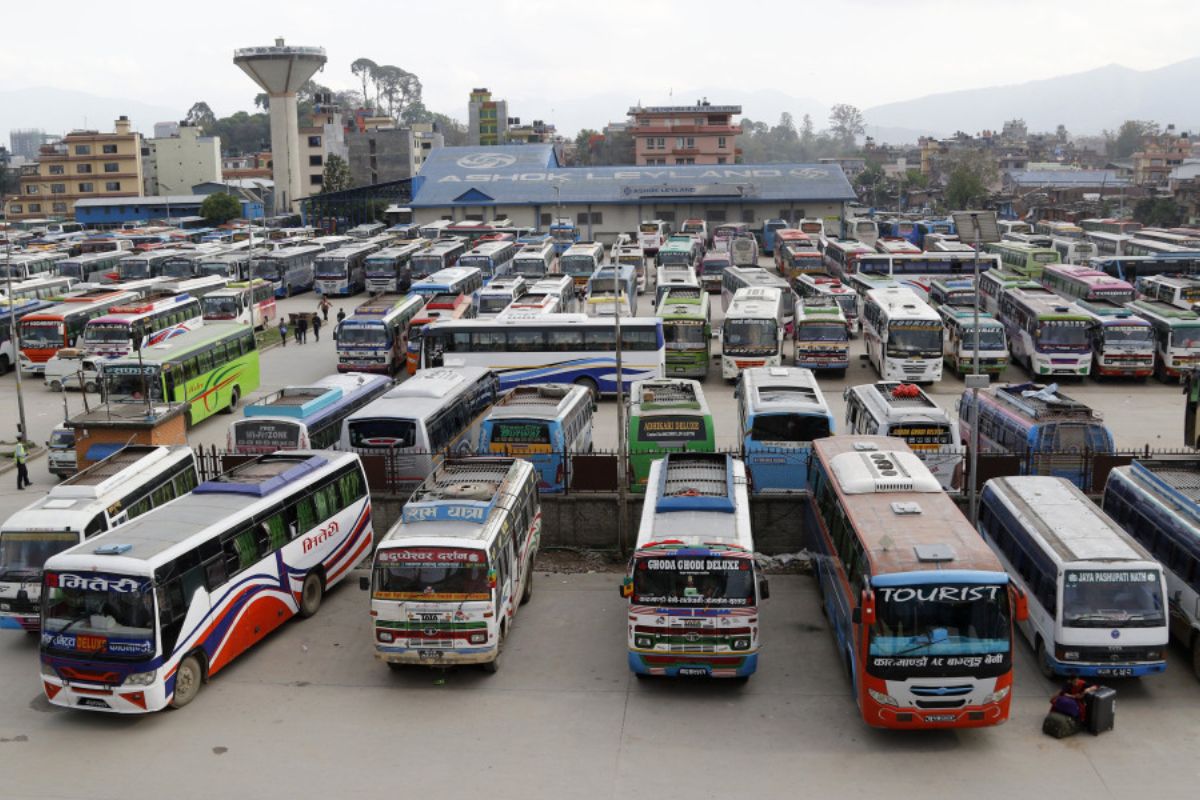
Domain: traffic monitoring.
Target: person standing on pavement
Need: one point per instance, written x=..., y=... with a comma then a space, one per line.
x=324, y=308
x=283, y=331
x=341, y=315
x=21, y=455
x=317, y=328
x=301, y=329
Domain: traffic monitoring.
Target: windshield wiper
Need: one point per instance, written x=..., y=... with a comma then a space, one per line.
x=931, y=638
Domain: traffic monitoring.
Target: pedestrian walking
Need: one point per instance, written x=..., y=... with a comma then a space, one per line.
x=283, y=331
x=302, y=329
x=341, y=315
x=317, y=328
x=324, y=306
x=21, y=455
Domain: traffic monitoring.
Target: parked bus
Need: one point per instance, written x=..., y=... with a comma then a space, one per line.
x=821, y=337
x=797, y=254
x=668, y=279
x=903, y=336
x=1084, y=283
x=919, y=271
x=289, y=269
x=580, y=261
x=343, y=272
x=815, y=228
x=612, y=289
x=212, y=368
x=1140, y=246
x=43, y=333
x=433, y=230
x=92, y=267
x=564, y=234
x=144, y=322
x=736, y=278
x=666, y=415
x=743, y=250
x=927, y=228
x=439, y=256
x=711, y=270
x=493, y=259
x=23, y=266
x=231, y=266
x=1176, y=337
x=1047, y=428
x=821, y=288
x=724, y=234
x=958, y=292
x=905, y=411
x=449, y=576
x=958, y=345
x=1122, y=342
x=368, y=230
x=498, y=295
x=898, y=228
x=452, y=280
x=1097, y=598
x=921, y=609
x=864, y=231
x=842, y=256
x=328, y=243
x=1135, y=268
x=693, y=586
x=1047, y=334
x=124, y=485
x=48, y=288
x=1110, y=225
x=652, y=234
x=534, y=261
x=994, y=283
x=1024, y=258
x=389, y=271
x=632, y=255
x=895, y=246
x=770, y=229
x=437, y=308
x=678, y=252
x=781, y=411
x=375, y=337
x=148, y=264
x=9, y=355
x=246, y=302
x=1074, y=251
x=753, y=331
x=1058, y=229
x=1181, y=291
x=1187, y=241
x=545, y=425
x=1013, y=226
x=1107, y=245
x=693, y=226
x=307, y=417
x=685, y=315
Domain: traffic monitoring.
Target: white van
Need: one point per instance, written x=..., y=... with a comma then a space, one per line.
x=72, y=368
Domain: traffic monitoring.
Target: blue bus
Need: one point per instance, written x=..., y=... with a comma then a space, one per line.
x=564, y=233
x=1049, y=430
x=768, y=234
x=927, y=226
x=545, y=425
x=304, y=417
x=1130, y=268
x=780, y=412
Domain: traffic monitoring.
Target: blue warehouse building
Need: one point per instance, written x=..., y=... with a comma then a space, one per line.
x=112, y=211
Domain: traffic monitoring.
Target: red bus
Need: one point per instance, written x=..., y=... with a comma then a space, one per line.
x=796, y=253
x=439, y=307
x=45, y=333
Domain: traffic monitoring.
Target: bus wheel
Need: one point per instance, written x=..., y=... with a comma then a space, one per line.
x=234, y=397
x=527, y=592
x=591, y=386
x=188, y=680
x=493, y=666
x=4, y=365
x=311, y=594
x=1043, y=663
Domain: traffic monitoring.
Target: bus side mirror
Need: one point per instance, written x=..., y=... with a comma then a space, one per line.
x=364, y=583
x=867, y=608
x=1020, y=604
x=627, y=587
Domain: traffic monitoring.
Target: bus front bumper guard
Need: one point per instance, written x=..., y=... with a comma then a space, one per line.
x=436, y=656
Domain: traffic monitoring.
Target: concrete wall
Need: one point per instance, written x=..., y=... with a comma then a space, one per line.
x=389, y=160
x=183, y=161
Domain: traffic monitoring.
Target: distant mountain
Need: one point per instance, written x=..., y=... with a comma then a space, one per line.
x=1086, y=102
x=60, y=111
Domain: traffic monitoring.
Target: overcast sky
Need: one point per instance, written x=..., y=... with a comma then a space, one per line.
x=863, y=52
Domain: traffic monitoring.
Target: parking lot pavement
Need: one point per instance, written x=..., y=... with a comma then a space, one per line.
x=310, y=710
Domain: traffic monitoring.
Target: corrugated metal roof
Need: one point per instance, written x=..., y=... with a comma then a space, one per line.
x=155, y=200
x=1064, y=177
x=530, y=175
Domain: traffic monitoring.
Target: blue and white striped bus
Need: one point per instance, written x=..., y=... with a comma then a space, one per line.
x=544, y=425
x=780, y=412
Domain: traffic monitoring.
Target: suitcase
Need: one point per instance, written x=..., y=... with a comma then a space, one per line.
x=1101, y=705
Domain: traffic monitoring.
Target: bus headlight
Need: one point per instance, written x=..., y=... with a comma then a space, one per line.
x=644, y=642
x=998, y=695
x=741, y=644
x=882, y=699
x=140, y=678
x=479, y=638
x=1154, y=655
x=385, y=636
x=1063, y=654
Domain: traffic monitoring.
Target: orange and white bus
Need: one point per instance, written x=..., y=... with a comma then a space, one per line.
x=921, y=609
x=131, y=326
x=796, y=253
x=43, y=334
x=440, y=307
x=250, y=302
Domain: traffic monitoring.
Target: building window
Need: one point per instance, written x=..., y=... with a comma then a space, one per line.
x=715, y=215
x=16, y=209
x=721, y=142
x=747, y=215
x=315, y=161
x=59, y=208
x=665, y=216
x=57, y=169
x=678, y=142
x=314, y=141
x=112, y=186
x=109, y=149
x=31, y=189
x=426, y=145
x=83, y=149
x=650, y=143
x=643, y=121
x=545, y=219
x=58, y=188
x=597, y=218
x=662, y=142
x=699, y=121
x=720, y=159
x=316, y=180
x=691, y=143
x=112, y=166
x=85, y=187
x=83, y=169
x=581, y=218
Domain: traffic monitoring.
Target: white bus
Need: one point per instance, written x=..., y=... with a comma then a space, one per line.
x=498, y=295
x=903, y=336
x=125, y=485
x=390, y=270
x=668, y=278
x=248, y=302
x=1074, y=251
x=734, y=279
x=753, y=331
x=132, y=326
x=580, y=261
x=1097, y=598
x=534, y=261
x=452, y=280
x=343, y=271
x=139, y=618
x=433, y=230
x=905, y=411
x=1107, y=244
x=92, y=267
x=652, y=234
x=612, y=287
x=493, y=259
x=375, y=337
x=368, y=230
x=449, y=577
x=289, y=269
x=440, y=255
x=862, y=230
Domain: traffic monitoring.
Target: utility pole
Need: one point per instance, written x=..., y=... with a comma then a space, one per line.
x=12, y=319
x=622, y=437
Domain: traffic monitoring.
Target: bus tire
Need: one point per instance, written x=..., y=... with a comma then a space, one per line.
x=527, y=590
x=493, y=666
x=5, y=366
x=1043, y=662
x=591, y=386
x=311, y=594
x=189, y=677
x=234, y=397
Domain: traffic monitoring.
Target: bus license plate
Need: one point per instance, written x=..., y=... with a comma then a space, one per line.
x=93, y=702
x=1115, y=672
x=940, y=718
x=696, y=672
x=431, y=654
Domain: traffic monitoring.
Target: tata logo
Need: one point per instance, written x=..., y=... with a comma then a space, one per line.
x=486, y=161
x=691, y=636
x=1116, y=634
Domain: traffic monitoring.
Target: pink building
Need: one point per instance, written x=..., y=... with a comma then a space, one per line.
x=699, y=134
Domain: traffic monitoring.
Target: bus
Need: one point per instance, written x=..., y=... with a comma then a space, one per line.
x=1084, y=283
x=498, y=295
x=694, y=226
x=1107, y=245
x=666, y=415
x=342, y=271
x=842, y=256
x=1097, y=598
x=1047, y=428
x=438, y=307
x=1155, y=502
x=725, y=233
x=958, y=345
x=545, y=425
x=1057, y=229
x=1074, y=251
x=433, y=230
x=864, y=231
x=231, y=266
x=743, y=250
x=564, y=234
x=375, y=337
x=450, y=575
x=941, y=243
x=147, y=264
x=926, y=228
x=919, y=271
x=307, y=417
x=1023, y=258
x=821, y=288
x=210, y=368
x=685, y=315
x=1134, y=268
x=1181, y=291
x=534, y=262
x=667, y=279
x=1157, y=247
x=23, y=266
x=821, y=337
x=247, y=302
x=556, y=348
x=903, y=336
x=898, y=228
x=126, y=484
x=1048, y=334
x=770, y=229
x=958, y=292
x=815, y=228
x=289, y=269
x=452, y=280
x=781, y=412
x=43, y=333
x=632, y=255
x=493, y=259
x=896, y=247
x=1013, y=226
x=1122, y=342
x=51, y=288
x=736, y=278
x=995, y=282
x=1031, y=239
x=652, y=234
x=753, y=331
x=147, y=321
x=140, y=617
x=1187, y=241
x=797, y=254
x=1109, y=225
x=693, y=586
x=328, y=243
x=91, y=267
x=580, y=261
x=612, y=288
x=905, y=411
x=439, y=256
x=921, y=610
x=389, y=271
x=1176, y=337
x=711, y=270
x=677, y=252
x=368, y=230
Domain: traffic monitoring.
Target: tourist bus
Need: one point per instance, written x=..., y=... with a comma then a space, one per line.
x=23, y=266
x=865, y=231
x=652, y=234
x=556, y=348
x=434, y=414
x=1048, y=429
x=814, y=227
x=389, y=271
x=143, y=322
x=894, y=246
x=342, y=272
x=903, y=336
x=197, y=287
x=821, y=336
x=958, y=345
x=1122, y=342
x=545, y=425
x=211, y=368
x=289, y=269
x=231, y=266
x=92, y=267
x=1188, y=241
x=919, y=271
x=1074, y=251
x=693, y=586
x=842, y=256
x=247, y=302
x=433, y=230
x=677, y=252
x=1084, y=283
x=994, y=283
x=821, y=288
x=921, y=610
x=43, y=333
x=449, y=576
x=1108, y=245
x=1139, y=246
x=493, y=259
x=438, y=307
x=123, y=485
x=612, y=288
x=452, y=280
x=905, y=411
x=736, y=278
x=781, y=411
x=1024, y=258
x=668, y=278
x=49, y=288
x=797, y=254
x=140, y=617
x=1134, y=268
x=1176, y=337
x=148, y=264
x=375, y=337
x=665, y=415
x=1109, y=225
x=497, y=295
x=1181, y=291
x=753, y=331
x=439, y=256
x=958, y=292
x=1048, y=334
x=711, y=270
x=1058, y=229
x=1097, y=598
x=534, y=262
x=685, y=315
x=304, y=417
x=580, y=261
x=1155, y=502
x=725, y=233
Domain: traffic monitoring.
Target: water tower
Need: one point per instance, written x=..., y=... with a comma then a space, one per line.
x=280, y=71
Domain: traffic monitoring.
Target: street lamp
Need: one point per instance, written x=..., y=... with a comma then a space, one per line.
x=12, y=317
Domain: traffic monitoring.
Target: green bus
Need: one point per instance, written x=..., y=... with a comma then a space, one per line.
x=212, y=368
x=684, y=312
x=1024, y=259
x=666, y=415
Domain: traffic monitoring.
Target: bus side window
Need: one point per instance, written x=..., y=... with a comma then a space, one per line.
x=97, y=525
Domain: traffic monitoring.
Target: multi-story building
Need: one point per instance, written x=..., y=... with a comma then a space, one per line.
x=385, y=153
x=487, y=122
x=27, y=142
x=699, y=134
x=1152, y=165
x=174, y=164
x=85, y=164
x=537, y=132
x=322, y=137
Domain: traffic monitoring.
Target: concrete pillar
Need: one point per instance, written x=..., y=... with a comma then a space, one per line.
x=285, y=152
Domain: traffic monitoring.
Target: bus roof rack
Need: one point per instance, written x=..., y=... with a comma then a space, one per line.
x=696, y=482
x=1178, y=477
x=663, y=392
x=1043, y=402
x=263, y=475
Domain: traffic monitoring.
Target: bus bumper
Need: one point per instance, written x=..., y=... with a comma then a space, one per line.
x=436, y=657
x=1141, y=371
x=1133, y=669
x=823, y=363
x=702, y=665
x=19, y=622
x=881, y=716
x=108, y=699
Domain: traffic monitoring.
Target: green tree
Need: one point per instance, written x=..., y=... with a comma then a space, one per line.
x=1163, y=212
x=915, y=179
x=219, y=208
x=964, y=188
x=364, y=68
x=846, y=123
x=337, y=174
x=1128, y=138
x=201, y=116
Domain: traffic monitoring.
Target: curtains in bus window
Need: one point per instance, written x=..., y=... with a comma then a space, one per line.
x=163, y=494
x=277, y=533
x=306, y=517
x=184, y=482
x=350, y=487
x=326, y=502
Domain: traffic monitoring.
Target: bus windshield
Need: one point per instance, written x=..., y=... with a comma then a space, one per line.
x=98, y=615
x=821, y=332
x=128, y=384
x=1185, y=336
x=383, y=433
x=529, y=267
x=266, y=269
x=331, y=268
x=788, y=427
x=693, y=581
x=684, y=335
x=920, y=339
x=22, y=552
x=216, y=307
x=133, y=270
x=432, y=574
x=750, y=336
x=178, y=269
x=41, y=335
x=494, y=304
x=577, y=265
x=107, y=332
x=1128, y=335
x=989, y=339
x=1063, y=333
x=939, y=620
x=1112, y=598
x=362, y=336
